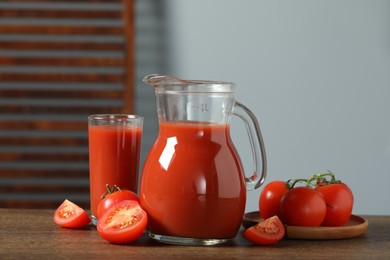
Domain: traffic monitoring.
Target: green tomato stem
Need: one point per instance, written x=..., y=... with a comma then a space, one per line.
x=290, y=184
x=321, y=178
x=317, y=178
x=109, y=191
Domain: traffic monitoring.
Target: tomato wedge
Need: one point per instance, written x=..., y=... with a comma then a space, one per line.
x=123, y=223
x=266, y=232
x=69, y=215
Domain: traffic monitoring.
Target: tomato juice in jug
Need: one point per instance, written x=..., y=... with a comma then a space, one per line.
x=195, y=174
x=193, y=186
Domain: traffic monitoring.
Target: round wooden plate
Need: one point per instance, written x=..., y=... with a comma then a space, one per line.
x=356, y=226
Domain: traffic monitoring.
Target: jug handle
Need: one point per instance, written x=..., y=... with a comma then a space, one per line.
x=257, y=145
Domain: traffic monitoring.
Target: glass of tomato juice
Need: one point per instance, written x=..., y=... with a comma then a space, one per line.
x=114, y=154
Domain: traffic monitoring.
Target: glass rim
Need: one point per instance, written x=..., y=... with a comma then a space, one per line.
x=119, y=118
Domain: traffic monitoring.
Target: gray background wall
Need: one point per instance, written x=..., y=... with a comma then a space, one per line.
x=315, y=73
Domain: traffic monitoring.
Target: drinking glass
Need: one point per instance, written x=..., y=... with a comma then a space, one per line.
x=114, y=154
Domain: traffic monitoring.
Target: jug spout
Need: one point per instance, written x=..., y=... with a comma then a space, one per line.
x=175, y=84
x=157, y=80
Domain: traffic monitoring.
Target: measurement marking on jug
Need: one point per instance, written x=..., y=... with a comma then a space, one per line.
x=202, y=107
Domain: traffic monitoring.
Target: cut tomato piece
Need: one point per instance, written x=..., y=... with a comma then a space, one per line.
x=123, y=223
x=69, y=215
x=266, y=232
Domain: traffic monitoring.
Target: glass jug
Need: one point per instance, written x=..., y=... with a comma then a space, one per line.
x=193, y=186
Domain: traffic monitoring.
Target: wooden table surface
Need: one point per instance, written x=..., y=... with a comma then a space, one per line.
x=32, y=234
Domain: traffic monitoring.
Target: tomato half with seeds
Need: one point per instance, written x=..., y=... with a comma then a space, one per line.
x=123, y=223
x=70, y=215
x=266, y=232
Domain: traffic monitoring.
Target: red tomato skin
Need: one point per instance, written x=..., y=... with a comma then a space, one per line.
x=110, y=225
x=270, y=197
x=302, y=206
x=113, y=198
x=266, y=232
x=339, y=201
x=70, y=215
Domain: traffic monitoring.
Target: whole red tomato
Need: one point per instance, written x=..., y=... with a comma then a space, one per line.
x=114, y=195
x=339, y=203
x=270, y=198
x=302, y=206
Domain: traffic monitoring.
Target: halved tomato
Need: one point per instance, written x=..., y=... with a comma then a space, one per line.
x=266, y=232
x=123, y=223
x=69, y=215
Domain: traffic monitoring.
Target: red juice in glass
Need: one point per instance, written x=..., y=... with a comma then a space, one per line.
x=193, y=183
x=114, y=154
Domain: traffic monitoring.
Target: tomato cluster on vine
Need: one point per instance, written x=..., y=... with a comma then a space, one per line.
x=321, y=201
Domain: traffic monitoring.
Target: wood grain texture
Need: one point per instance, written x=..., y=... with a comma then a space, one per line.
x=32, y=234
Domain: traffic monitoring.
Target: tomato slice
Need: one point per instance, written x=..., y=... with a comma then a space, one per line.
x=69, y=215
x=123, y=223
x=266, y=232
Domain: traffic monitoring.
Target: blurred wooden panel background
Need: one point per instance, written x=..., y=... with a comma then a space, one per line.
x=59, y=62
